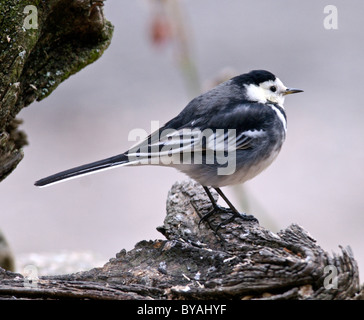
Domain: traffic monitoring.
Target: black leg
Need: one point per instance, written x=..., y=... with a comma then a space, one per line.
x=217, y=209
x=226, y=200
x=214, y=204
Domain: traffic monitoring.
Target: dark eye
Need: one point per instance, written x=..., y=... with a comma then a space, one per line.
x=273, y=88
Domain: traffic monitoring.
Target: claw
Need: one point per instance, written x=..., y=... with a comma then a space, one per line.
x=216, y=209
x=235, y=215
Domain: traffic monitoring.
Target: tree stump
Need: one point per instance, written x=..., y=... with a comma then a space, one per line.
x=242, y=260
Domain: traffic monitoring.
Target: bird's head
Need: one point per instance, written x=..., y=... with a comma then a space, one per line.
x=264, y=87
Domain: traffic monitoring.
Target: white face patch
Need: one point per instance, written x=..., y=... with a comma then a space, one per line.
x=255, y=93
x=268, y=91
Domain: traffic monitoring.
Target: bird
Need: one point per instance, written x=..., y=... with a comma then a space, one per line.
x=225, y=136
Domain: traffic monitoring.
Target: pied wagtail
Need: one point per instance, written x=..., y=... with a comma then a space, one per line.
x=241, y=120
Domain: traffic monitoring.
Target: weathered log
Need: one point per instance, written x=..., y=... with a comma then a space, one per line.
x=42, y=43
x=242, y=260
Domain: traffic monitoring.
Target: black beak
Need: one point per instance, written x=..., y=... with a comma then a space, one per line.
x=291, y=90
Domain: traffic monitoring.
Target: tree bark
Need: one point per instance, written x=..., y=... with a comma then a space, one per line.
x=42, y=43
x=242, y=260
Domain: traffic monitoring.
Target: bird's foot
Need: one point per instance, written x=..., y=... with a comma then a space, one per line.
x=234, y=214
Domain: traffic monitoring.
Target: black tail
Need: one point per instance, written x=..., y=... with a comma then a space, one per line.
x=84, y=169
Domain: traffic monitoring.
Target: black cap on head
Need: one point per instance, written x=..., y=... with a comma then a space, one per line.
x=254, y=77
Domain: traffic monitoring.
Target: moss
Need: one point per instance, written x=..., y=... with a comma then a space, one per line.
x=77, y=59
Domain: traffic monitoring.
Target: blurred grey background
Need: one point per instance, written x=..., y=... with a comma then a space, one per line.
x=317, y=180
